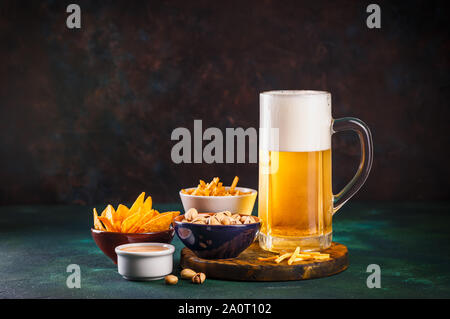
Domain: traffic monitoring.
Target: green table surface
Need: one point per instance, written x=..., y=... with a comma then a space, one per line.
x=409, y=241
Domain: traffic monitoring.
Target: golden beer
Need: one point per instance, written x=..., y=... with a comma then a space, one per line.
x=295, y=199
x=296, y=203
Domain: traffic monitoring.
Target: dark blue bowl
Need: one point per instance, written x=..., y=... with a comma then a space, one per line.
x=216, y=241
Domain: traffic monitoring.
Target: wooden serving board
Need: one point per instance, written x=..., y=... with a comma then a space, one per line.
x=247, y=267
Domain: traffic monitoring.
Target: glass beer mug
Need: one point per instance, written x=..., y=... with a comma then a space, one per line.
x=296, y=202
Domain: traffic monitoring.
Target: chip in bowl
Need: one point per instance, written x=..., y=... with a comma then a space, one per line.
x=139, y=218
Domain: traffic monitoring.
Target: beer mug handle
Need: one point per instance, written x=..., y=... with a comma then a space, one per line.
x=365, y=139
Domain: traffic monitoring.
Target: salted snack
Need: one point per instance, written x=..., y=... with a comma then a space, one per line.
x=199, y=278
x=220, y=218
x=296, y=256
x=171, y=280
x=191, y=214
x=140, y=218
x=187, y=273
x=215, y=188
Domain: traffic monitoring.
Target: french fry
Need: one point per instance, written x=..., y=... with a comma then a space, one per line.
x=294, y=255
x=321, y=257
x=234, y=183
x=267, y=258
x=283, y=257
x=297, y=256
x=305, y=256
x=215, y=188
x=211, y=186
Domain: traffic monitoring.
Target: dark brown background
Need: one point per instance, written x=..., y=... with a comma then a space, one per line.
x=86, y=115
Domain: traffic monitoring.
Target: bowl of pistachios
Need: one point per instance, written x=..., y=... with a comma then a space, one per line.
x=218, y=235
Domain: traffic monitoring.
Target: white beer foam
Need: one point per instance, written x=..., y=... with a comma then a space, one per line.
x=301, y=119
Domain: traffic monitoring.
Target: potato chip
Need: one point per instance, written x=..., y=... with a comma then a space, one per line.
x=110, y=214
x=122, y=212
x=107, y=223
x=97, y=223
x=175, y=214
x=130, y=221
x=137, y=204
x=160, y=222
x=139, y=218
x=104, y=212
x=148, y=204
x=136, y=225
x=146, y=218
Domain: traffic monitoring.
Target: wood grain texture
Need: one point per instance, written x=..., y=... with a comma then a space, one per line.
x=247, y=267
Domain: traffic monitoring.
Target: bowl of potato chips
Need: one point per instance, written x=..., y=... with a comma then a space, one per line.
x=138, y=224
x=215, y=197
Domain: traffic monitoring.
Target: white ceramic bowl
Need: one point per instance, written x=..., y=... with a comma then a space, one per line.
x=145, y=266
x=240, y=204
